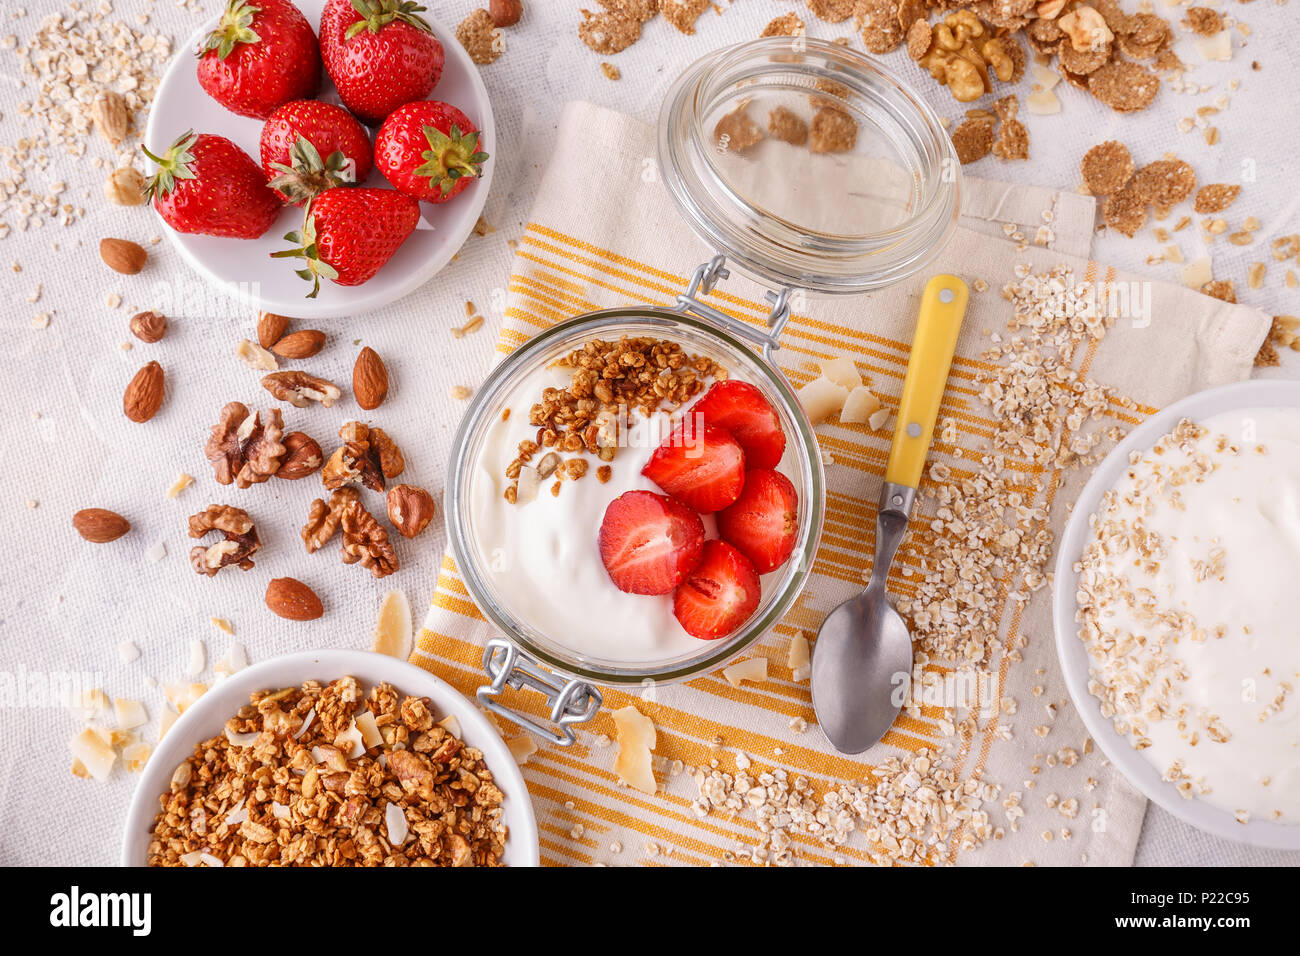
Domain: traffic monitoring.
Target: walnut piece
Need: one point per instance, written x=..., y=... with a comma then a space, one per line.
x=245, y=449
x=323, y=519
x=962, y=52
x=365, y=540
x=300, y=389
x=238, y=546
x=366, y=457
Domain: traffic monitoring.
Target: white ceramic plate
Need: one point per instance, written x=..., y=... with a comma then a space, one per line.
x=1074, y=658
x=206, y=717
x=244, y=266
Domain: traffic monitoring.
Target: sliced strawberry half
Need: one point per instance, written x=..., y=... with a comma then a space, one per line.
x=741, y=409
x=701, y=465
x=649, y=542
x=763, y=523
x=719, y=595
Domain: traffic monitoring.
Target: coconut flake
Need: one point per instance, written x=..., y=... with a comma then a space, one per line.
x=306, y=722
x=451, y=724
x=370, y=735
x=351, y=742
x=395, y=820
x=521, y=748
x=94, y=753
x=242, y=740
x=753, y=669
x=130, y=713
x=821, y=398
x=842, y=371
x=238, y=814
x=636, y=743
x=198, y=659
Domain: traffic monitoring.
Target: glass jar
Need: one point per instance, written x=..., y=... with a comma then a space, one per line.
x=828, y=216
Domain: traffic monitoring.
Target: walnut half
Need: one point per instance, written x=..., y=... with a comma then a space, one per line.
x=240, y=543
x=365, y=540
x=366, y=457
x=243, y=448
x=323, y=519
x=300, y=389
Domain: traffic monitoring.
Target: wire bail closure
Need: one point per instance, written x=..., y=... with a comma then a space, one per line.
x=572, y=702
x=704, y=280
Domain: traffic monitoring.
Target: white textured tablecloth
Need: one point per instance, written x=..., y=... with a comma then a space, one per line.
x=65, y=606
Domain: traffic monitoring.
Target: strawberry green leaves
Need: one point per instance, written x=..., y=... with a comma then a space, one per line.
x=305, y=248
x=377, y=14
x=307, y=175
x=174, y=165
x=451, y=156
x=235, y=27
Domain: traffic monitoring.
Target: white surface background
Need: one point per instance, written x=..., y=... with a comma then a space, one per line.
x=65, y=605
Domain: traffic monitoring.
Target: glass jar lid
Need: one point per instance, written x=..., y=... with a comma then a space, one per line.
x=809, y=165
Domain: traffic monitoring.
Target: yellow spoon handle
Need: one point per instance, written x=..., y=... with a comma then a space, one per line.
x=943, y=304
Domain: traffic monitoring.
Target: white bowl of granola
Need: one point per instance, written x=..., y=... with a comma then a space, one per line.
x=444, y=732
x=1174, y=582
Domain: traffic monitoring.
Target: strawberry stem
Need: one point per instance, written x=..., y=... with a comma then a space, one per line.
x=305, y=248
x=307, y=175
x=236, y=27
x=173, y=165
x=451, y=156
x=377, y=14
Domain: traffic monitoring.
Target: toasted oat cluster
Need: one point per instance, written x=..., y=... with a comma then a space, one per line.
x=328, y=776
x=634, y=374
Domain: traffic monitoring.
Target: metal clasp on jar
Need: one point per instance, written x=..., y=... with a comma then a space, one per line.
x=572, y=702
x=703, y=281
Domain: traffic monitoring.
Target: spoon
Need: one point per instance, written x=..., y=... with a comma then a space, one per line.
x=862, y=663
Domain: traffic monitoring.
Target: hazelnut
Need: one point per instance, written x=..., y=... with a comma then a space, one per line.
x=505, y=13
x=148, y=326
x=410, y=509
x=125, y=186
x=302, y=456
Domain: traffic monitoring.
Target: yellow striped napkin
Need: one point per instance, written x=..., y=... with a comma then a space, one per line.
x=601, y=235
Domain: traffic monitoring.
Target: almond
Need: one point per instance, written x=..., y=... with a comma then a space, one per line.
x=293, y=600
x=302, y=456
x=370, y=379
x=100, y=525
x=111, y=115
x=298, y=345
x=123, y=255
x=270, y=328
x=148, y=326
x=144, y=393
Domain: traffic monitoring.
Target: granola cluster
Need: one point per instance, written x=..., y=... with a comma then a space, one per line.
x=609, y=379
x=326, y=776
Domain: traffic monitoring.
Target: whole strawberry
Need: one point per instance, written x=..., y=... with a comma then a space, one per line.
x=429, y=150
x=348, y=234
x=262, y=53
x=206, y=184
x=308, y=147
x=380, y=54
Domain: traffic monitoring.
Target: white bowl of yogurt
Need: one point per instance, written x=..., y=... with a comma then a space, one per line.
x=1174, y=610
x=535, y=571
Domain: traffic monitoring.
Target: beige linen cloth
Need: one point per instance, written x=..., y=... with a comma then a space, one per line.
x=605, y=233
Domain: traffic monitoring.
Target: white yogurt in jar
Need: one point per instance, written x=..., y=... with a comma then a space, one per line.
x=541, y=556
x=1188, y=597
